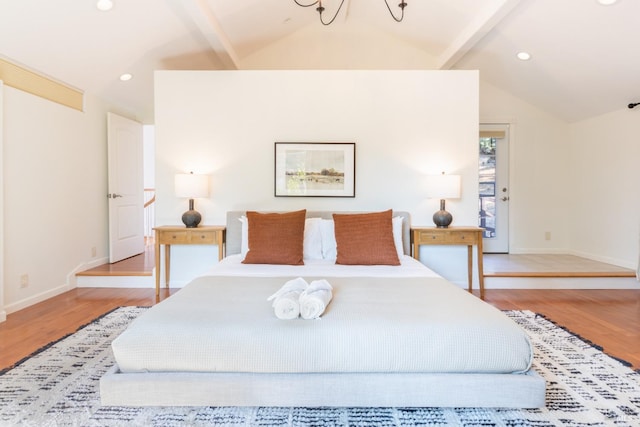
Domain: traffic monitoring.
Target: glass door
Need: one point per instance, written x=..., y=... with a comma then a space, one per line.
x=493, y=201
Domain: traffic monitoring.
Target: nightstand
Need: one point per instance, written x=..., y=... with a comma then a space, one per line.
x=168, y=235
x=468, y=236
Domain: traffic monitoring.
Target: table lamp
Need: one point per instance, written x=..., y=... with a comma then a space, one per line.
x=443, y=187
x=191, y=186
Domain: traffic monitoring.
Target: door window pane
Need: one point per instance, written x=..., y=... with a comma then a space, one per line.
x=487, y=187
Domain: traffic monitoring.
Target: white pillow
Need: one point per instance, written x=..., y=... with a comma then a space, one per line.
x=397, y=234
x=244, y=236
x=312, y=244
x=329, y=245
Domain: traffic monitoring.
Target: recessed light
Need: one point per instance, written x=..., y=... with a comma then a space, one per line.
x=524, y=56
x=104, y=5
x=126, y=77
x=607, y=2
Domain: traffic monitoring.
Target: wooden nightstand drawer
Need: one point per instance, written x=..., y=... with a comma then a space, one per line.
x=204, y=237
x=444, y=237
x=174, y=237
x=462, y=237
x=429, y=237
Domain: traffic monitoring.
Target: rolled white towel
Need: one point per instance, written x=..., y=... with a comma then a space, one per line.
x=315, y=299
x=286, y=301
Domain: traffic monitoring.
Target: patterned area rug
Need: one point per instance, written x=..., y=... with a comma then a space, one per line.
x=59, y=386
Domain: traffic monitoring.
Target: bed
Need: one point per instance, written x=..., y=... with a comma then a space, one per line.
x=393, y=335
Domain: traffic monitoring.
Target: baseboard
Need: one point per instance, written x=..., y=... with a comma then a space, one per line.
x=27, y=302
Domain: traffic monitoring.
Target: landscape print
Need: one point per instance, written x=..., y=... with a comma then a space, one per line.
x=314, y=169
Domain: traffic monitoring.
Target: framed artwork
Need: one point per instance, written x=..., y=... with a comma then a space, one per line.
x=315, y=169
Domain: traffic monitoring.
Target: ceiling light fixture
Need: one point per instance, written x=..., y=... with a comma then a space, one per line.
x=126, y=77
x=320, y=9
x=523, y=56
x=607, y=2
x=104, y=5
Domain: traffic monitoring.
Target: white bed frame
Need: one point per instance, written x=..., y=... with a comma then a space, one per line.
x=322, y=389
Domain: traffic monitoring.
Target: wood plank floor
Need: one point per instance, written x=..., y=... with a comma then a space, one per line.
x=549, y=265
x=610, y=318
x=27, y=330
x=139, y=265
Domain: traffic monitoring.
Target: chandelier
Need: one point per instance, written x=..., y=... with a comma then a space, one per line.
x=320, y=9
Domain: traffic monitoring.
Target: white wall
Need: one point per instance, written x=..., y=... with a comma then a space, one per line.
x=406, y=124
x=55, y=181
x=539, y=172
x=579, y=181
x=149, y=155
x=605, y=184
x=317, y=47
x=3, y=313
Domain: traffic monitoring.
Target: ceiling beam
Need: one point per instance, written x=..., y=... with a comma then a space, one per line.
x=35, y=83
x=474, y=32
x=210, y=27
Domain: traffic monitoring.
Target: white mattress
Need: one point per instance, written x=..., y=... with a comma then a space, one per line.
x=232, y=266
x=407, y=324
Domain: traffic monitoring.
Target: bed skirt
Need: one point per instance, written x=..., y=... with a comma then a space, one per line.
x=316, y=390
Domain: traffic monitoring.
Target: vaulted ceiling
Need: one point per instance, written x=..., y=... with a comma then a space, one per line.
x=584, y=56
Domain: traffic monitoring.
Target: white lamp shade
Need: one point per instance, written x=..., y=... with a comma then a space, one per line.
x=192, y=186
x=443, y=186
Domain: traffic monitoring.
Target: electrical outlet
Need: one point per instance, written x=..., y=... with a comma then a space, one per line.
x=547, y=235
x=24, y=280
x=93, y=252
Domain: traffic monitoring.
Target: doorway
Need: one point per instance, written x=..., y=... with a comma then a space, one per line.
x=125, y=192
x=493, y=191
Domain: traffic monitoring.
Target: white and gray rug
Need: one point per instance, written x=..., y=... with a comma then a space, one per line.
x=59, y=386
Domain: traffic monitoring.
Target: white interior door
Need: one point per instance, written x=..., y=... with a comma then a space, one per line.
x=494, y=187
x=126, y=187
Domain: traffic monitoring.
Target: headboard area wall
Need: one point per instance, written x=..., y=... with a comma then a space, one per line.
x=405, y=124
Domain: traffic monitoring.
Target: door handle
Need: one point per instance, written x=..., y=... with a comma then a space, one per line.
x=504, y=199
x=113, y=196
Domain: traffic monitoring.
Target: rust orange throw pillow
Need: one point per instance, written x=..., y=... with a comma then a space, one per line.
x=365, y=239
x=275, y=238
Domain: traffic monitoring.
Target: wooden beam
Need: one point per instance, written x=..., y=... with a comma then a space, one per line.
x=37, y=84
x=474, y=32
x=210, y=27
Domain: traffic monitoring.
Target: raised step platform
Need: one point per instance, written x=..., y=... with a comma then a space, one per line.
x=502, y=271
x=134, y=272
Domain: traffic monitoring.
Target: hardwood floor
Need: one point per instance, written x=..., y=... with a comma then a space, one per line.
x=28, y=330
x=610, y=318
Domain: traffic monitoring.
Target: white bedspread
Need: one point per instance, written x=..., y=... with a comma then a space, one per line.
x=232, y=266
x=411, y=324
